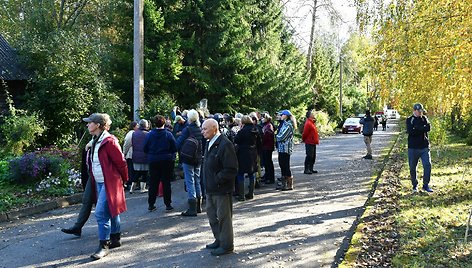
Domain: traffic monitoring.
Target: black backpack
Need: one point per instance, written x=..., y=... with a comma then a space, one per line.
x=191, y=151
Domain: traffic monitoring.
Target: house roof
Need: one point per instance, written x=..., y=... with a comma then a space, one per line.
x=10, y=68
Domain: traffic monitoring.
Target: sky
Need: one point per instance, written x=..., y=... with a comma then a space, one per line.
x=299, y=15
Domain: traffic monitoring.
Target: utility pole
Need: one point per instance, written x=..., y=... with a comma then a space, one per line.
x=340, y=86
x=138, y=58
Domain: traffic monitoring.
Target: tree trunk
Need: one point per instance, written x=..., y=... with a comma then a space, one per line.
x=309, y=61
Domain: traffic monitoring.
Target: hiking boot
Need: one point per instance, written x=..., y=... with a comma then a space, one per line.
x=288, y=184
x=169, y=208
x=199, y=205
x=369, y=156
x=192, y=208
x=115, y=240
x=152, y=208
x=102, y=250
x=307, y=171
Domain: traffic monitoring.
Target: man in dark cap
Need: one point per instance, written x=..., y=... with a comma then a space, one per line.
x=418, y=126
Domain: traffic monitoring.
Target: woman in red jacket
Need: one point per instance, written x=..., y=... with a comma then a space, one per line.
x=108, y=172
x=311, y=139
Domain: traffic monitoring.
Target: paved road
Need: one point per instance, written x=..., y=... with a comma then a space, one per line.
x=300, y=228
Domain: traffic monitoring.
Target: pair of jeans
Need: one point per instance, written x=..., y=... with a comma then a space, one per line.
x=219, y=210
x=192, y=180
x=310, y=158
x=413, y=157
x=284, y=162
x=106, y=224
x=161, y=171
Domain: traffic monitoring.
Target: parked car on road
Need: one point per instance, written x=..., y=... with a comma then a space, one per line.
x=352, y=124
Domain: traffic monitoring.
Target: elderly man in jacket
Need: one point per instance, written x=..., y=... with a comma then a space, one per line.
x=220, y=167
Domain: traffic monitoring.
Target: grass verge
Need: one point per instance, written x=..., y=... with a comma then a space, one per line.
x=402, y=229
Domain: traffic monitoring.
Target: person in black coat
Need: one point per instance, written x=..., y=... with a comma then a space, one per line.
x=220, y=166
x=248, y=145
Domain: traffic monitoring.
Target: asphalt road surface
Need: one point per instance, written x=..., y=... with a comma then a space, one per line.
x=301, y=228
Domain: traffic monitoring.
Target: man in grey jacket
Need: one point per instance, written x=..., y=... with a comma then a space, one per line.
x=220, y=167
x=367, y=131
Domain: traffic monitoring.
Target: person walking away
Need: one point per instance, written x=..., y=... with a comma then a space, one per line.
x=268, y=141
x=248, y=143
x=376, y=122
x=160, y=148
x=384, y=122
x=108, y=172
x=140, y=162
x=189, y=144
x=311, y=138
x=128, y=152
x=220, y=167
x=367, y=131
x=284, y=140
x=418, y=126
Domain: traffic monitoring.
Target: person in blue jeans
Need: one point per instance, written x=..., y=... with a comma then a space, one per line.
x=108, y=173
x=418, y=126
x=191, y=165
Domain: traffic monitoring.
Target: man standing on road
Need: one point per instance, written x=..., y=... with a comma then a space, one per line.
x=311, y=138
x=418, y=127
x=367, y=131
x=220, y=167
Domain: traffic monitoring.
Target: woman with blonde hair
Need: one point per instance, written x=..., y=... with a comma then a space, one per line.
x=285, y=148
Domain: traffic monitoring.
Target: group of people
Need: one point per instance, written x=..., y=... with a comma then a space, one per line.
x=217, y=153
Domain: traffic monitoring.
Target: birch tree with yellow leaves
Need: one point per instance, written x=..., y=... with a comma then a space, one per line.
x=422, y=53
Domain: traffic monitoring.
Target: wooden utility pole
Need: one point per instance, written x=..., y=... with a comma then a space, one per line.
x=340, y=86
x=138, y=58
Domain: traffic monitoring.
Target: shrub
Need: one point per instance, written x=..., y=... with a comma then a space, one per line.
x=324, y=125
x=20, y=131
x=438, y=133
x=469, y=138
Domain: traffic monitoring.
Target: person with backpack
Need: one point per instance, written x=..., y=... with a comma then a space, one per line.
x=189, y=145
x=368, y=131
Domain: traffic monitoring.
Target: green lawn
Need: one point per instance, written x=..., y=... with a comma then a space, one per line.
x=432, y=226
x=402, y=229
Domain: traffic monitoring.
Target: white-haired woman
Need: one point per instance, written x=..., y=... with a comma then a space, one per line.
x=189, y=145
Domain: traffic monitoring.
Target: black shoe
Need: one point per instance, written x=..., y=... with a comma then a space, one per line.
x=249, y=197
x=369, y=156
x=169, y=208
x=213, y=245
x=307, y=171
x=72, y=231
x=314, y=171
x=221, y=251
x=151, y=208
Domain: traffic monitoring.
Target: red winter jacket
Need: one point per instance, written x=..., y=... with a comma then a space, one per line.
x=115, y=173
x=310, y=133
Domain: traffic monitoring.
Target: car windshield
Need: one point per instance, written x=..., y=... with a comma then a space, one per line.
x=352, y=121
